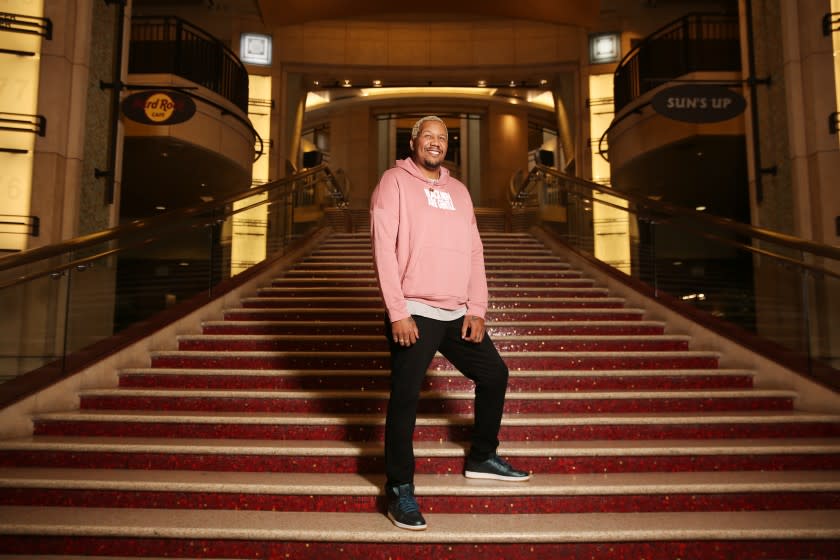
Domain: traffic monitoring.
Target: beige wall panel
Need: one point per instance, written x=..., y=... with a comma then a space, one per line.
x=366, y=45
x=506, y=152
x=570, y=46
x=491, y=52
x=452, y=52
x=288, y=43
x=408, y=52
x=536, y=49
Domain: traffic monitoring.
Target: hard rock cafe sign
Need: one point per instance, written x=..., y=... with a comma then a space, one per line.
x=158, y=107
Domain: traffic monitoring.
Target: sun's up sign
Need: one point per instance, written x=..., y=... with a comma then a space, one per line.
x=698, y=103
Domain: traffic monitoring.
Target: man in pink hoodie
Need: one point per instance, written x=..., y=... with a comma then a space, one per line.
x=430, y=265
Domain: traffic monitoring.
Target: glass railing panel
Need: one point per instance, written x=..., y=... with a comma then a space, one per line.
x=57, y=309
x=824, y=323
x=775, y=287
x=33, y=298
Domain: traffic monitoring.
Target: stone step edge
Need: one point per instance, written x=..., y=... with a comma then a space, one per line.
x=443, y=527
x=374, y=354
x=572, y=374
x=452, y=395
x=350, y=419
x=490, y=325
x=490, y=311
x=497, y=337
x=328, y=299
x=307, y=484
x=425, y=449
x=374, y=289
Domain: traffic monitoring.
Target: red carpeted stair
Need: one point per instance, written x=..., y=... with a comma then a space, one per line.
x=262, y=437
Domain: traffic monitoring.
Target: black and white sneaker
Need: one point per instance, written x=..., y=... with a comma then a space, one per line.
x=494, y=468
x=403, y=510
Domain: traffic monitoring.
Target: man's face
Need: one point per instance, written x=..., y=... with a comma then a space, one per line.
x=429, y=148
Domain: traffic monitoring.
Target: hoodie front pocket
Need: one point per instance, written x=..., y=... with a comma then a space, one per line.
x=437, y=272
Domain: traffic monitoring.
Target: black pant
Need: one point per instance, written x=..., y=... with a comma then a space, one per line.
x=477, y=361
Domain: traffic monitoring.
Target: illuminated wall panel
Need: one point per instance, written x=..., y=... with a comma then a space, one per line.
x=249, y=230
x=611, y=225
x=18, y=107
x=835, y=39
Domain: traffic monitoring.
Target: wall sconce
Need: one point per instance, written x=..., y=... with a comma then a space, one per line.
x=255, y=48
x=604, y=48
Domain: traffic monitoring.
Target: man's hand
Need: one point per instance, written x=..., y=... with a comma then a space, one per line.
x=405, y=331
x=473, y=328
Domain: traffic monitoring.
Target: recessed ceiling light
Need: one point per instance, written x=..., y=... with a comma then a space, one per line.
x=316, y=83
x=346, y=83
x=543, y=82
x=160, y=207
x=512, y=83
x=482, y=83
x=700, y=208
x=377, y=83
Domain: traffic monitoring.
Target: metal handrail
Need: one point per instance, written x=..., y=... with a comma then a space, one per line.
x=664, y=211
x=208, y=211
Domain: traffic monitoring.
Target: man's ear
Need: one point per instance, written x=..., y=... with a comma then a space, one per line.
x=411, y=144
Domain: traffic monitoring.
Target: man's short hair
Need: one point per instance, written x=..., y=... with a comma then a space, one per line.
x=415, y=130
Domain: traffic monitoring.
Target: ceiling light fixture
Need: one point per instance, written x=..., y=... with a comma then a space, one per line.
x=482, y=83
x=377, y=83
x=346, y=83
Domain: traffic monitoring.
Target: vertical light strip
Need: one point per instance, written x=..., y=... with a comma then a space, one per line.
x=249, y=229
x=18, y=102
x=611, y=225
x=835, y=43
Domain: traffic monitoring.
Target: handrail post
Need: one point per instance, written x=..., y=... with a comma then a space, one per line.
x=806, y=315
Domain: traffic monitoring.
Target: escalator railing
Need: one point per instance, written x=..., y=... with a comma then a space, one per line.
x=778, y=294
x=62, y=300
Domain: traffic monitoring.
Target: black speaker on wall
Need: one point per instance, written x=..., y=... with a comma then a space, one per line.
x=312, y=159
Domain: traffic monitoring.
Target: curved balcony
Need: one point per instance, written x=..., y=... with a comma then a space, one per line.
x=170, y=45
x=694, y=43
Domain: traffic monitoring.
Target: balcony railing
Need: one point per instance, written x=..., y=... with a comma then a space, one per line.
x=774, y=293
x=694, y=43
x=170, y=45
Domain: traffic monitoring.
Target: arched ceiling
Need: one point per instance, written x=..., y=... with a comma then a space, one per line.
x=290, y=12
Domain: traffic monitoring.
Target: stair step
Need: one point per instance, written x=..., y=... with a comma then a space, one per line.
x=370, y=427
x=493, y=314
x=381, y=360
x=709, y=535
x=370, y=291
x=496, y=328
x=543, y=457
x=443, y=402
x=338, y=302
x=184, y=378
x=309, y=343
x=545, y=493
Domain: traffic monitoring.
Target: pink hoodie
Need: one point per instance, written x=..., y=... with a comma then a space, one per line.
x=426, y=245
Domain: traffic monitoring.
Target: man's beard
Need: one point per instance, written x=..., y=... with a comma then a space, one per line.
x=430, y=165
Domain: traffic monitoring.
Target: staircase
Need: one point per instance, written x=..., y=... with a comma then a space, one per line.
x=261, y=437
